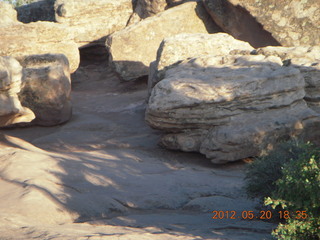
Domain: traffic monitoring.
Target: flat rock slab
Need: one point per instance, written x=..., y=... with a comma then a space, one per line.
x=91, y=21
x=135, y=47
x=20, y=40
x=177, y=48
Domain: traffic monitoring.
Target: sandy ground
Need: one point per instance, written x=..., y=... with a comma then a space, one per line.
x=103, y=176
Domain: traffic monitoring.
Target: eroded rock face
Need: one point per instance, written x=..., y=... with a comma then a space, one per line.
x=307, y=60
x=47, y=88
x=91, y=21
x=19, y=40
x=291, y=22
x=230, y=107
x=133, y=48
x=175, y=49
x=11, y=110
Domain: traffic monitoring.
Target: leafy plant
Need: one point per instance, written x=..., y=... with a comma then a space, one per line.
x=265, y=171
x=294, y=188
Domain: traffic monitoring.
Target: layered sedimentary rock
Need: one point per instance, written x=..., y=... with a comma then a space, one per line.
x=18, y=40
x=133, y=48
x=47, y=88
x=307, y=60
x=175, y=49
x=90, y=21
x=290, y=22
x=11, y=110
x=230, y=107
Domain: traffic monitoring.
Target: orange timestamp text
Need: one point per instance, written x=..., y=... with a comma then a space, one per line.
x=262, y=215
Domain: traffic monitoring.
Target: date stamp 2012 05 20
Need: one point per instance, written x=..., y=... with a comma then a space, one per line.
x=262, y=215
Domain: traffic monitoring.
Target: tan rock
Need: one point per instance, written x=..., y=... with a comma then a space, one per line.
x=19, y=40
x=47, y=88
x=133, y=48
x=11, y=110
x=184, y=46
x=7, y=14
x=307, y=60
x=230, y=107
x=148, y=8
x=291, y=22
x=90, y=21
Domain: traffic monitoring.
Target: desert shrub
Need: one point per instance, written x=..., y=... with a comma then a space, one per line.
x=294, y=187
x=263, y=173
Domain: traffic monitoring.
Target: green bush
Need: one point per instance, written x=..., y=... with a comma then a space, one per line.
x=292, y=172
x=265, y=171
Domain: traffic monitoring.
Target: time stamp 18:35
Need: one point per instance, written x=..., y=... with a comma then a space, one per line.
x=262, y=215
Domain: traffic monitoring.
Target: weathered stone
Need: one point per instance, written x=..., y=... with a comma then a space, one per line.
x=37, y=11
x=239, y=23
x=291, y=22
x=175, y=49
x=11, y=111
x=91, y=21
x=307, y=60
x=7, y=14
x=20, y=40
x=47, y=88
x=133, y=48
x=230, y=107
x=148, y=8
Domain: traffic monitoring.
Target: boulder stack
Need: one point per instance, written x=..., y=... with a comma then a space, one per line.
x=135, y=47
x=231, y=105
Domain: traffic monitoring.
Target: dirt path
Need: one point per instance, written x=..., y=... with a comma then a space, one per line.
x=104, y=170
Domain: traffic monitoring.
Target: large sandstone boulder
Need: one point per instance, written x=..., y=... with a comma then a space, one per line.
x=175, y=49
x=7, y=14
x=18, y=40
x=47, y=88
x=133, y=48
x=290, y=22
x=91, y=21
x=11, y=110
x=307, y=60
x=230, y=107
